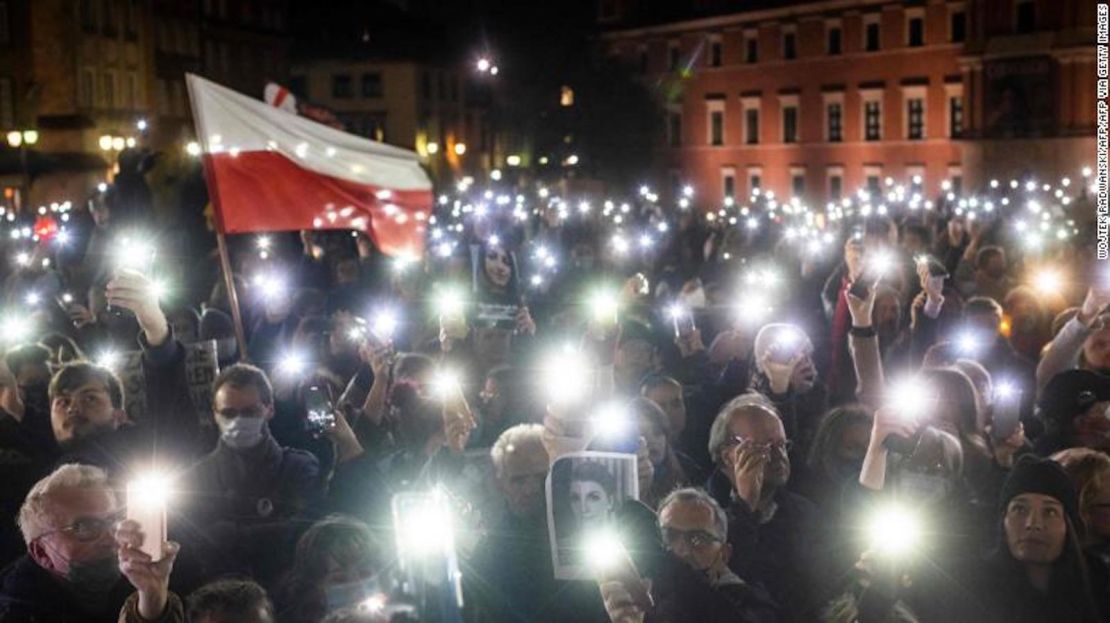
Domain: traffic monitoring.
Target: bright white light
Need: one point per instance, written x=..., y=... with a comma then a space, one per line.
x=882, y=262
x=513, y=160
x=33, y=298
x=968, y=343
x=149, y=491
x=23, y=258
x=611, y=421
x=1005, y=390
x=108, y=359
x=495, y=175
x=141, y=125
x=449, y=301
x=445, y=384
x=292, y=364
x=894, y=531
x=753, y=308
x=688, y=190
x=192, y=148
x=484, y=64
x=1048, y=281
x=603, y=550
x=910, y=397
x=262, y=242
x=567, y=376
x=384, y=324
x=603, y=306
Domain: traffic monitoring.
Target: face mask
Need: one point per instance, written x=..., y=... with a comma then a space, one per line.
x=338, y=596
x=694, y=300
x=243, y=432
x=94, y=576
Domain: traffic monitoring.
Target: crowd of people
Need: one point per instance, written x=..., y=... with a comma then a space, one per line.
x=891, y=415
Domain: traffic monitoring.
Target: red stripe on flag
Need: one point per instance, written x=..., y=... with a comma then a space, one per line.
x=279, y=99
x=264, y=191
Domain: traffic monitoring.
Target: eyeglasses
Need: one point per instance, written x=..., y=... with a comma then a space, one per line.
x=694, y=539
x=230, y=414
x=89, y=529
x=785, y=445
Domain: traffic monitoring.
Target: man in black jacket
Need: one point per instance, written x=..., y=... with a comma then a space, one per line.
x=771, y=530
x=73, y=569
x=247, y=494
x=87, y=400
x=693, y=581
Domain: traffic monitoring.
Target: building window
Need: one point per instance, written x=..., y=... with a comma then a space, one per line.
x=717, y=127
x=426, y=85
x=88, y=15
x=834, y=114
x=372, y=84
x=915, y=31
x=833, y=40
x=751, y=49
x=87, y=92
x=728, y=182
x=755, y=179
x=789, y=45
x=131, y=23
x=715, y=54
x=672, y=56
x=872, y=120
x=790, y=124
x=915, y=118
x=873, y=183
x=1025, y=18
x=958, y=26
x=5, y=25
x=108, y=89
x=674, y=129
x=751, y=126
x=798, y=183
x=871, y=36
x=341, y=86
x=836, y=186
x=134, y=100
x=7, y=103
x=109, y=14
x=955, y=115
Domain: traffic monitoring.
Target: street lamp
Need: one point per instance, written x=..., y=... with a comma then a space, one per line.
x=460, y=149
x=432, y=148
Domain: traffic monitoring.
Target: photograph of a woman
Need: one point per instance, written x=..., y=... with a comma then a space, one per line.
x=584, y=491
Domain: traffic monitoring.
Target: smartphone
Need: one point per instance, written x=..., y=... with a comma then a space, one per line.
x=859, y=288
x=321, y=412
x=683, y=323
x=148, y=509
x=1006, y=412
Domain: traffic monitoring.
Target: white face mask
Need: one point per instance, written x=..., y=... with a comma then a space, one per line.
x=693, y=300
x=243, y=432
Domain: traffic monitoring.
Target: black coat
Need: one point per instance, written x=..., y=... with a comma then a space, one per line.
x=30, y=594
x=784, y=555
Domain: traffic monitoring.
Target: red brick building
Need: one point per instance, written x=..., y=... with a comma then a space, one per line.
x=817, y=99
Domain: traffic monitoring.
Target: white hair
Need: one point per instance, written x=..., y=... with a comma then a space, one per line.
x=514, y=439
x=699, y=496
x=36, y=516
x=718, y=431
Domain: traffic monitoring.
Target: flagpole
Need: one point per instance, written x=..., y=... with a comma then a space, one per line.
x=232, y=296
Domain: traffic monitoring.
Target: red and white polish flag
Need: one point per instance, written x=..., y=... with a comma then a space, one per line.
x=269, y=170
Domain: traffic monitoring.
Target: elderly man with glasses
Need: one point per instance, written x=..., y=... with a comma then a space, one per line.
x=79, y=552
x=694, y=582
x=772, y=531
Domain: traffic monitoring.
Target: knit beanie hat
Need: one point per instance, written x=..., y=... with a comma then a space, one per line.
x=1043, y=476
